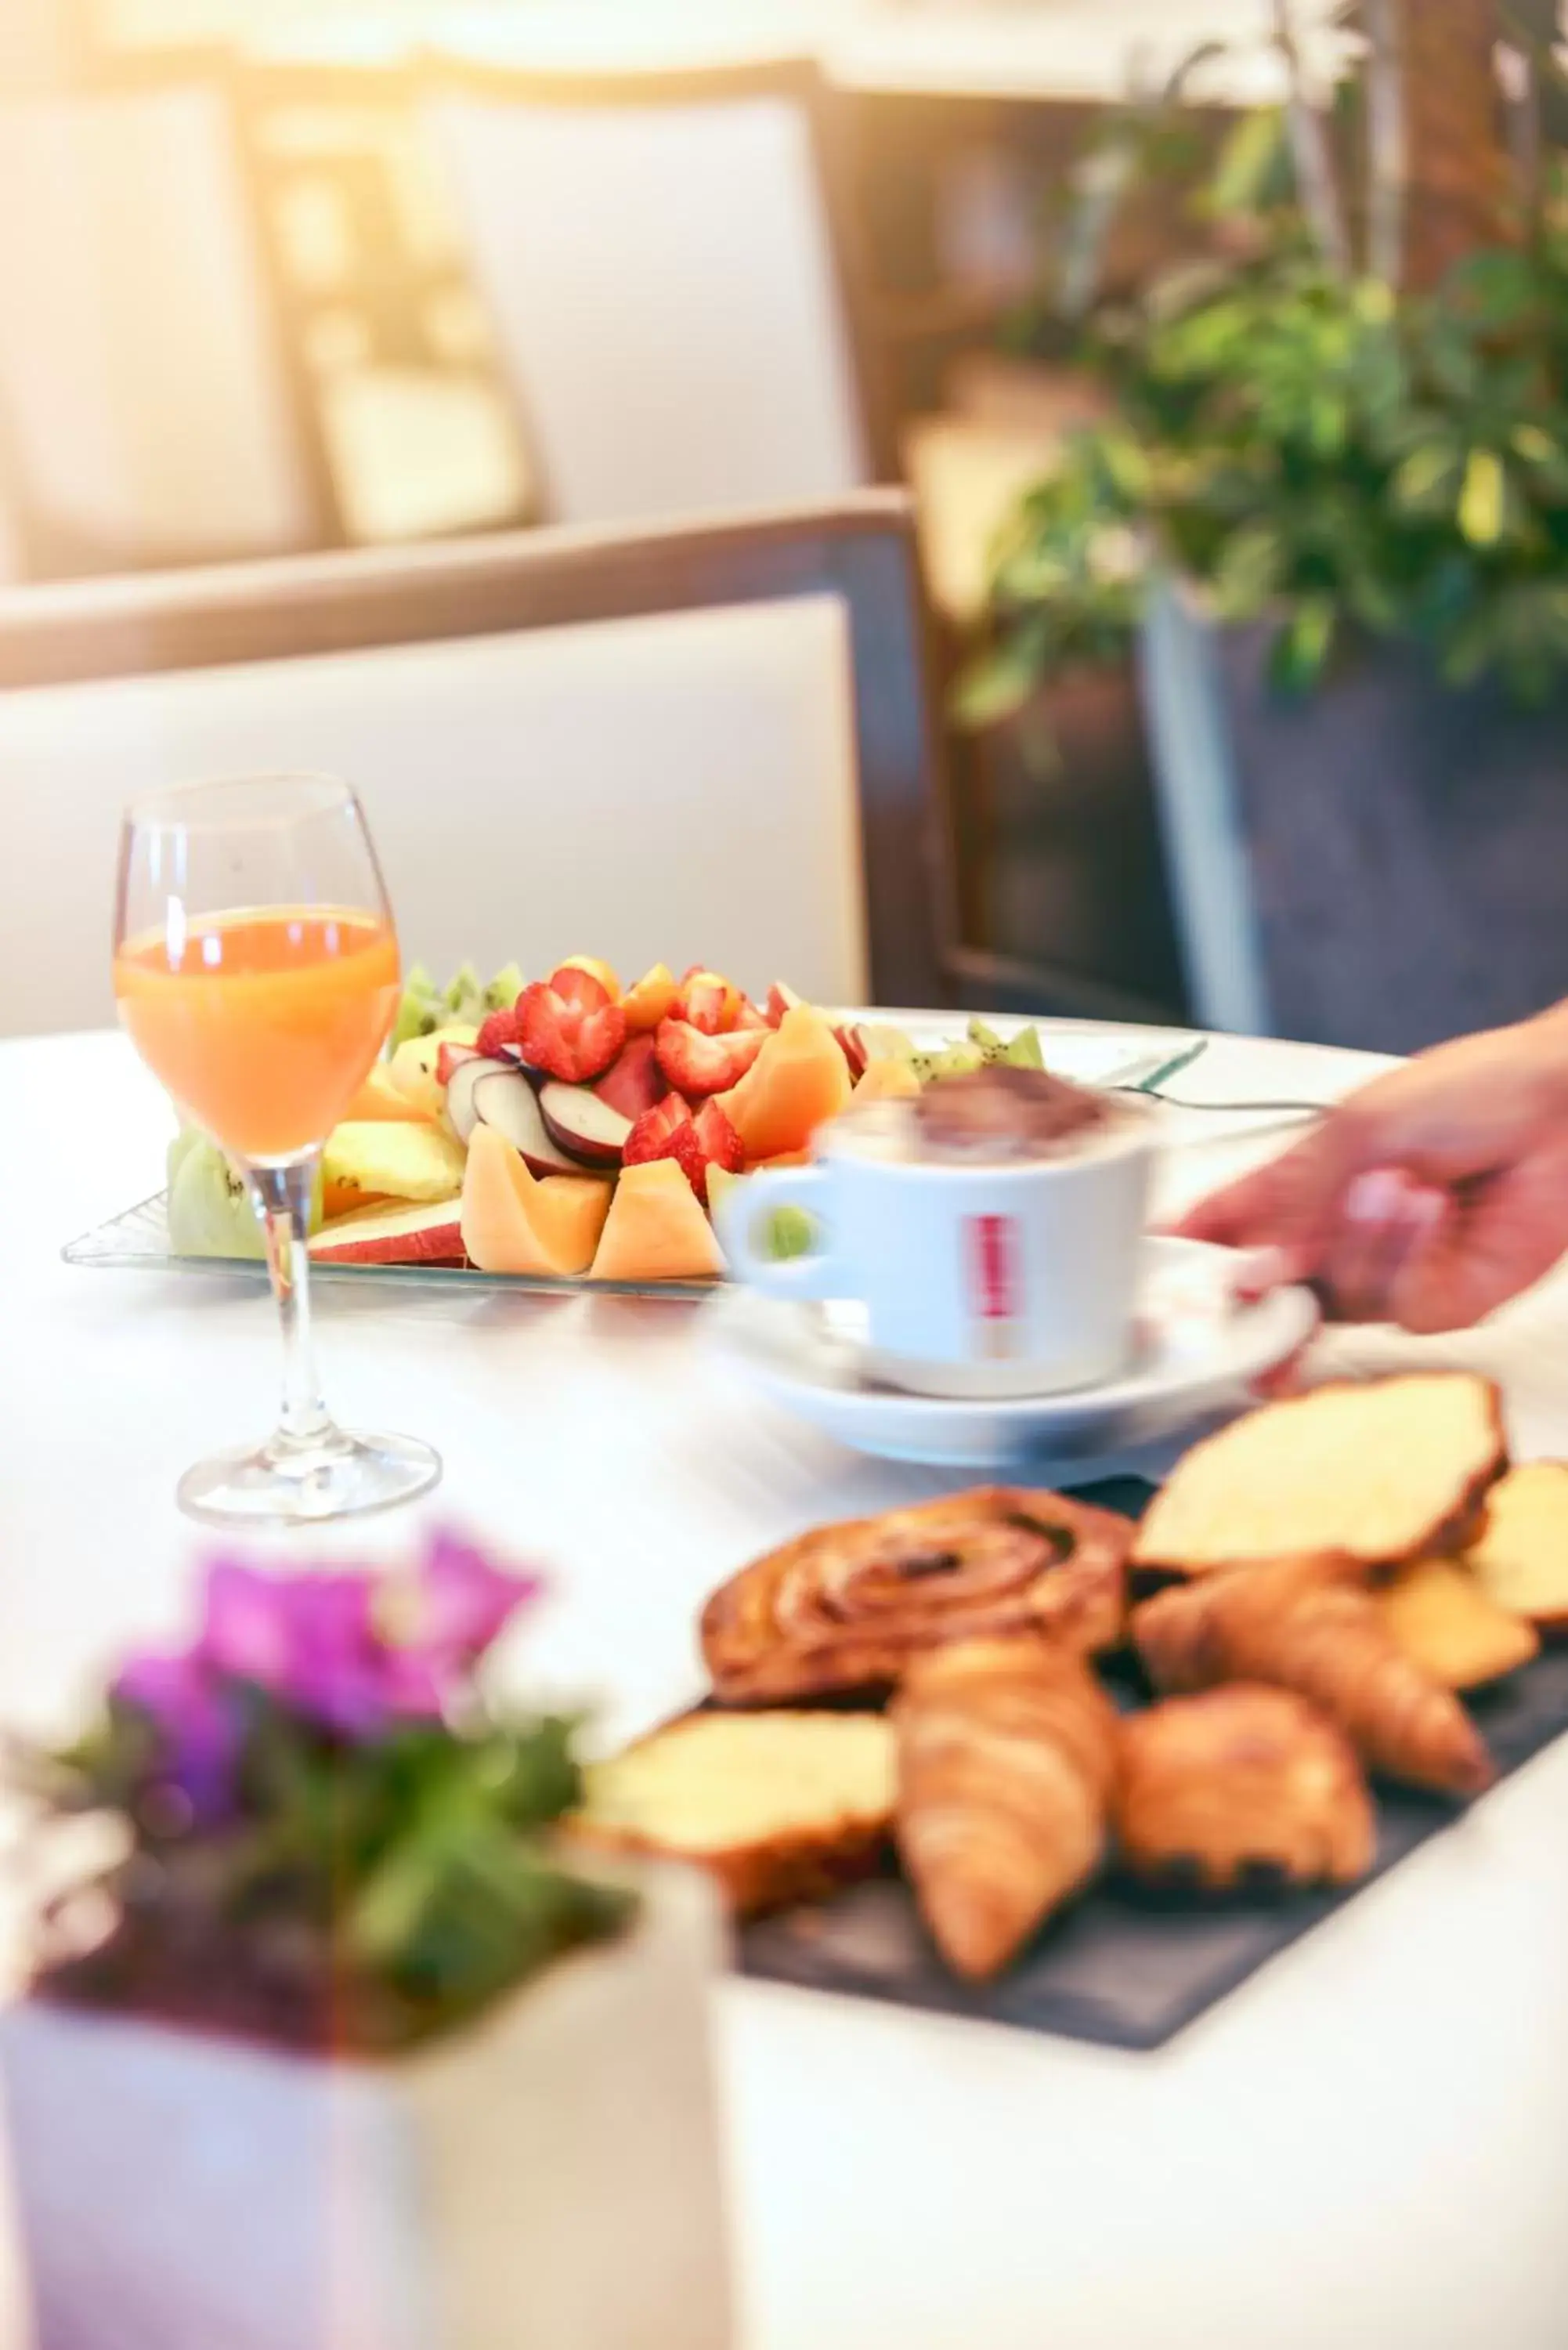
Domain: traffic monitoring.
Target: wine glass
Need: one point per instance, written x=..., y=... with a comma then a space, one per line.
x=257, y=970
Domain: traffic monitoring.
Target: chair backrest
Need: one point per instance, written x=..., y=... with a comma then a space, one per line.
x=144, y=397
x=710, y=745
x=666, y=268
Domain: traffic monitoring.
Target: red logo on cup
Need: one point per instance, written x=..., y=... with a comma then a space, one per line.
x=993, y=1250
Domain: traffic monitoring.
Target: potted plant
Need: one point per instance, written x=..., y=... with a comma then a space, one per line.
x=335, y=2048
x=1331, y=506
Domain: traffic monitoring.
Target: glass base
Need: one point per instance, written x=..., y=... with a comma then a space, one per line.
x=341, y=1475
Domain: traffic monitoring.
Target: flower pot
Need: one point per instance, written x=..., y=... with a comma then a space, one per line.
x=1381, y=863
x=545, y=2180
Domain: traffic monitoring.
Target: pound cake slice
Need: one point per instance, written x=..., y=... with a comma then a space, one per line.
x=1522, y=1557
x=776, y=1806
x=1379, y=1470
x=1447, y=1622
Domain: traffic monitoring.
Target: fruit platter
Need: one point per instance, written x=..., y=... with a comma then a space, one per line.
x=560, y=1132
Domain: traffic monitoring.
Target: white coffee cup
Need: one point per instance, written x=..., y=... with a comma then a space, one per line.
x=1004, y=1278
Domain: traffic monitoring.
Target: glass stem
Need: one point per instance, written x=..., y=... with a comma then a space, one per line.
x=282, y=1196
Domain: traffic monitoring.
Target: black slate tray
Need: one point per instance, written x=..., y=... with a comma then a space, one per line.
x=1124, y=1967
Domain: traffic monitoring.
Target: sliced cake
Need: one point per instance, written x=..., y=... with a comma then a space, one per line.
x=1522, y=1557
x=776, y=1806
x=1448, y=1622
x=1380, y=1470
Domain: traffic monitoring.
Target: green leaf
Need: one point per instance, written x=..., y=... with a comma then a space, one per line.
x=1534, y=445
x=1250, y=163
x=998, y=683
x=1428, y=473
x=1480, y=507
x=1302, y=648
x=1373, y=301
x=1248, y=570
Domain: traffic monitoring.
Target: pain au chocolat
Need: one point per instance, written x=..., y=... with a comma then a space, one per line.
x=849, y=1606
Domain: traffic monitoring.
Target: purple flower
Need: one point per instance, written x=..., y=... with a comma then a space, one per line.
x=198, y=1729
x=309, y=1640
x=247, y=1628
x=351, y=1651
x=465, y=1602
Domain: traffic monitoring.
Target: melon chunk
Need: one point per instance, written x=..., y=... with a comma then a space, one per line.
x=798, y=1081
x=514, y=1221
x=379, y=1100
x=656, y=1229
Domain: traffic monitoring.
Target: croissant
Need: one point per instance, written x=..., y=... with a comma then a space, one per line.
x=1307, y=1625
x=848, y=1607
x=1238, y=1779
x=1006, y=1762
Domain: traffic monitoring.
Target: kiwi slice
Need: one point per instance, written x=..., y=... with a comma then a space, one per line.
x=884, y=1042
x=952, y=1061
x=986, y=1041
x=1020, y=1051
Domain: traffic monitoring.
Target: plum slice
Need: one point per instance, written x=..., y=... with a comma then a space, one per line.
x=581, y=1123
x=504, y=1099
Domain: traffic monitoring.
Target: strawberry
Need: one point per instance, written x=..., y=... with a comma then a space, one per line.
x=667, y=1132
x=572, y=1040
x=852, y=1045
x=749, y=1017
x=699, y=1063
x=584, y=989
x=501, y=1029
x=709, y=1002
x=721, y=1144
x=781, y=999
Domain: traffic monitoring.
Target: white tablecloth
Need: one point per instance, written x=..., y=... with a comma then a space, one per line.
x=1367, y=2145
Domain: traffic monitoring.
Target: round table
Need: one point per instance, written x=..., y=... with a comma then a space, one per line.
x=1367, y=2143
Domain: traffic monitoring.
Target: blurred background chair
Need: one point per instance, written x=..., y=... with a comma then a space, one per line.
x=146, y=399
x=671, y=280
x=704, y=745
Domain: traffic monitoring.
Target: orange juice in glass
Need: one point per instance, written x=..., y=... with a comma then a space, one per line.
x=257, y=970
x=262, y=1024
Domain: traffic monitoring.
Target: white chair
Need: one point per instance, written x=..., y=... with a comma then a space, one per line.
x=664, y=265
x=143, y=394
x=710, y=745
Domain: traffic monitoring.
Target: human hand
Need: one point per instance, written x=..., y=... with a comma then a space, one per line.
x=1428, y=1197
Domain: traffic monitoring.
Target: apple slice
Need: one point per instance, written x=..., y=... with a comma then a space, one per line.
x=429, y=1234
x=461, y=1114
x=504, y=1099
x=583, y=1124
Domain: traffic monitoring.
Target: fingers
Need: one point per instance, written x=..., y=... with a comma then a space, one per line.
x=1286, y=1378
x=1386, y=1219
x=1281, y=1206
x=1236, y=1217
x=1499, y=1238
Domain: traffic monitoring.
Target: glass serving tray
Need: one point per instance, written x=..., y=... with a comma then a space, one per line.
x=136, y=1240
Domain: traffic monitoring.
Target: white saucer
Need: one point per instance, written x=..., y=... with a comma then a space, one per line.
x=1197, y=1353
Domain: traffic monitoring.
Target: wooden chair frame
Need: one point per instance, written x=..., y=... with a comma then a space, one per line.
x=861, y=550
x=799, y=81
